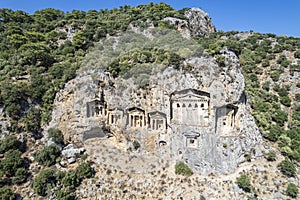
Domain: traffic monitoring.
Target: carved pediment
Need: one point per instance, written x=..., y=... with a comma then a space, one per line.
x=191, y=134
x=190, y=94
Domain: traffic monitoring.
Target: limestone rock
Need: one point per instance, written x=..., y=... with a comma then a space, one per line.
x=71, y=152
x=198, y=23
x=199, y=116
x=4, y=123
x=196, y=112
x=71, y=160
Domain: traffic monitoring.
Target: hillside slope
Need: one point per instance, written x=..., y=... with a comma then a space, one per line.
x=43, y=54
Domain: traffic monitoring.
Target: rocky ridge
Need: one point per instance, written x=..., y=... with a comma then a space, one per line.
x=198, y=23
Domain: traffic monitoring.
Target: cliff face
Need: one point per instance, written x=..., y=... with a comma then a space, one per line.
x=196, y=112
x=197, y=23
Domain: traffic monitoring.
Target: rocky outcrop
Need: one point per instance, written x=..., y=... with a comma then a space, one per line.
x=70, y=153
x=196, y=113
x=4, y=124
x=198, y=23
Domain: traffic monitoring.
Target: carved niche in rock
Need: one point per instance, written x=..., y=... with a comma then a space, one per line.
x=136, y=117
x=226, y=118
x=157, y=121
x=96, y=108
x=190, y=107
x=115, y=117
x=192, y=139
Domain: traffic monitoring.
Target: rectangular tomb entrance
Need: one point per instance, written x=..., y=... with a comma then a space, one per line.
x=190, y=107
x=136, y=117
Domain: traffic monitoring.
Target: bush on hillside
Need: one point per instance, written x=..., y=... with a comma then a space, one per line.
x=183, y=169
x=48, y=155
x=243, y=182
x=292, y=190
x=287, y=168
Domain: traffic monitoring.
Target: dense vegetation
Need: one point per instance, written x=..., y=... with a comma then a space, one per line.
x=63, y=183
x=40, y=52
x=264, y=58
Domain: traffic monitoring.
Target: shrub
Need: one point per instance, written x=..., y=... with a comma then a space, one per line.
x=56, y=135
x=244, y=182
x=220, y=60
x=48, y=155
x=266, y=86
x=297, y=54
x=44, y=182
x=12, y=162
x=297, y=97
x=270, y=156
x=136, y=145
x=280, y=117
x=275, y=76
x=285, y=100
x=283, y=61
x=287, y=168
x=282, y=91
x=11, y=142
x=292, y=190
x=85, y=170
x=183, y=169
x=265, y=63
x=71, y=179
x=65, y=194
x=6, y=193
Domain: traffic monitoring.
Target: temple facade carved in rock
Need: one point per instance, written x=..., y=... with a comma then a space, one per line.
x=198, y=116
x=189, y=110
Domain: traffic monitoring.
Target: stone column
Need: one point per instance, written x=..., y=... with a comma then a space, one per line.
x=109, y=118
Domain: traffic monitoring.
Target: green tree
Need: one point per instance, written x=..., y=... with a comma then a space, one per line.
x=36, y=54
x=85, y=170
x=292, y=190
x=287, y=168
x=17, y=40
x=12, y=162
x=32, y=121
x=79, y=39
x=6, y=193
x=10, y=142
x=44, y=182
x=20, y=176
x=65, y=194
x=183, y=169
x=48, y=155
x=243, y=182
x=56, y=135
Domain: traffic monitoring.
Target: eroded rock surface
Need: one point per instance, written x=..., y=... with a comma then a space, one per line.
x=196, y=113
x=198, y=23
